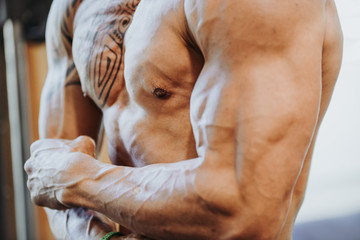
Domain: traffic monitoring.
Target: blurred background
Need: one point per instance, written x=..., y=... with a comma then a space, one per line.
x=331, y=209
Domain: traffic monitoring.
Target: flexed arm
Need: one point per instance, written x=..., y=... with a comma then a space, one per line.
x=61, y=99
x=254, y=109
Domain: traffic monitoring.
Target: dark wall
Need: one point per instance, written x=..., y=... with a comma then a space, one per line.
x=34, y=19
x=13, y=8
x=2, y=12
x=32, y=14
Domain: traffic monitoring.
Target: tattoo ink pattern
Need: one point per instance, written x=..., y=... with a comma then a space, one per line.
x=61, y=39
x=66, y=23
x=108, y=49
x=72, y=77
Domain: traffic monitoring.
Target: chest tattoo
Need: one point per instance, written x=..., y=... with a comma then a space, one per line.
x=107, y=56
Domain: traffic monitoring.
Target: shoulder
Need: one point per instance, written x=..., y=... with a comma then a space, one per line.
x=249, y=23
x=257, y=11
x=59, y=30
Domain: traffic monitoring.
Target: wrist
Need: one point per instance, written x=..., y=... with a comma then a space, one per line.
x=83, y=169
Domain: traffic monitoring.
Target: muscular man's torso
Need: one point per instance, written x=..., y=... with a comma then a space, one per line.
x=140, y=67
x=142, y=80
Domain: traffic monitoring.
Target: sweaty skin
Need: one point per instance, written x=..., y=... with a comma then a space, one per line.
x=211, y=110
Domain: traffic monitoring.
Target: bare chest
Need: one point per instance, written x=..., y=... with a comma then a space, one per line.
x=130, y=51
x=139, y=68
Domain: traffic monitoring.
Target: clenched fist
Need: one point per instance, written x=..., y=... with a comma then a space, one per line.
x=56, y=165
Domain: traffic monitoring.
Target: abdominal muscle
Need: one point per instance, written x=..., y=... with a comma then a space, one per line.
x=137, y=139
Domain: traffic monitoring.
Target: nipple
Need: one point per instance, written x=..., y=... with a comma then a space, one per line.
x=161, y=93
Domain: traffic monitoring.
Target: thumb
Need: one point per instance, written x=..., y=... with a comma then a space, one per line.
x=84, y=144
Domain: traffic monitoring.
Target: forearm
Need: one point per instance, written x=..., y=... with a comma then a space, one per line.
x=191, y=199
x=160, y=201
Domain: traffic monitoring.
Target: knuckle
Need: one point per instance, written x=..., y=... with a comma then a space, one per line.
x=28, y=167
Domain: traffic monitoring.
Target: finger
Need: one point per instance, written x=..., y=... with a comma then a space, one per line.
x=48, y=144
x=28, y=166
x=35, y=145
x=29, y=184
x=37, y=200
x=43, y=201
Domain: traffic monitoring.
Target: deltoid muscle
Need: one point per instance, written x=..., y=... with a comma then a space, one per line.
x=106, y=35
x=66, y=30
x=108, y=50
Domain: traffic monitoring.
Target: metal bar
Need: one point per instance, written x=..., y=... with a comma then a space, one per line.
x=7, y=208
x=19, y=121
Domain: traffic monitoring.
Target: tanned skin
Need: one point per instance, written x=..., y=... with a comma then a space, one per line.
x=211, y=110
